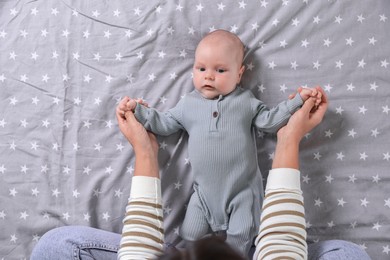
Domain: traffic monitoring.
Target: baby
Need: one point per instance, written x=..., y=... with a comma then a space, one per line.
x=220, y=118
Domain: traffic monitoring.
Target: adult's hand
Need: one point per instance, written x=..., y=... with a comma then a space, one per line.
x=300, y=123
x=144, y=144
x=305, y=119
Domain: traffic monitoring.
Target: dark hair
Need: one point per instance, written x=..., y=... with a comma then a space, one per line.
x=209, y=248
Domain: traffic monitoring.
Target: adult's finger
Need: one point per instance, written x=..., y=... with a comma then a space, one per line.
x=308, y=105
x=130, y=117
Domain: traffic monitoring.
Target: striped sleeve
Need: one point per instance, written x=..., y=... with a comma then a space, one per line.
x=142, y=233
x=282, y=233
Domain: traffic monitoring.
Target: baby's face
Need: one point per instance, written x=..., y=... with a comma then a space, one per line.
x=217, y=70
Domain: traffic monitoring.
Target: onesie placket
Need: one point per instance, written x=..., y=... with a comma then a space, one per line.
x=215, y=114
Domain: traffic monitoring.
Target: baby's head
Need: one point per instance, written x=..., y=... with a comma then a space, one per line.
x=218, y=64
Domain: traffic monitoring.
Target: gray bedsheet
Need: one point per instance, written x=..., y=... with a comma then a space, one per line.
x=64, y=65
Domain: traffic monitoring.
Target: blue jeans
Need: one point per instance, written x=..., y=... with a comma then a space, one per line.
x=86, y=243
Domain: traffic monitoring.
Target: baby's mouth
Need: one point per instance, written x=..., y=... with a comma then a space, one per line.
x=208, y=87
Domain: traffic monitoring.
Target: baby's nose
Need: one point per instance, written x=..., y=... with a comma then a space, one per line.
x=209, y=75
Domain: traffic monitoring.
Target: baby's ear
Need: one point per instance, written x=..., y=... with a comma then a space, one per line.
x=240, y=72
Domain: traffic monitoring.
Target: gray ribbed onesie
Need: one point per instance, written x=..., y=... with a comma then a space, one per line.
x=228, y=187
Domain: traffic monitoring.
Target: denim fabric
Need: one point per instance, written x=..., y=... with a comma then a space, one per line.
x=86, y=243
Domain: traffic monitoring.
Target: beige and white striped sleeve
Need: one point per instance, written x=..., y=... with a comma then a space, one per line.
x=282, y=233
x=142, y=233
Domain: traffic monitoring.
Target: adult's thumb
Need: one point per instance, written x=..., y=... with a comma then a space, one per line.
x=130, y=116
x=308, y=105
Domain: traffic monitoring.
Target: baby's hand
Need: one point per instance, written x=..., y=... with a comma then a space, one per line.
x=313, y=93
x=141, y=102
x=128, y=104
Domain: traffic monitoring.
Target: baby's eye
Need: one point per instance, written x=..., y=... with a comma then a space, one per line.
x=202, y=69
x=221, y=70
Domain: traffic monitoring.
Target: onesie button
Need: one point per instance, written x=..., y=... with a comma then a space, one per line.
x=215, y=114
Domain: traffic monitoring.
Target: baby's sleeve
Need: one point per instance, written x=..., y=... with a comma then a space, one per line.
x=160, y=123
x=270, y=120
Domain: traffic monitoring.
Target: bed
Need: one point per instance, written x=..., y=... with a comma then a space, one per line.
x=64, y=65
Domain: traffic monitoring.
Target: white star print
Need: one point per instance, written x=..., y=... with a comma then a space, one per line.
x=377, y=226
x=66, y=216
x=221, y=6
x=382, y=18
x=177, y=185
x=318, y=202
x=386, y=109
x=305, y=179
x=352, y=133
x=54, y=11
x=44, y=168
x=86, y=170
x=55, y=193
x=361, y=64
x=363, y=156
x=384, y=63
x=316, y=65
x=119, y=147
x=317, y=156
x=352, y=178
x=272, y=65
x=283, y=44
x=13, y=192
x=95, y=13
x=158, y=9
x=13, y=238
x=183, y=53
x=137, y=11
x=108, y=78
x=341, y=202
x=2, y=169
x=179, y=7
x=340, y=156
x=116, y=13
x=13, y=12
x=75, y=193
x=242, y=5
x=295, y=22
x=87, y=217
x=376, y=179
x=331, y=224
x=128, y=33
x=364, y=202
x=108, y=170
x=349, y=41
x=140, y=55
x=199, y=7
x=362, y=110
x=118, y=193
x=375, y=132
x=54, y=55
x=264, y=3
x=12, y=55
x=338, y=19
x=339, y=110
x=65, y=33
x=387, y=203
x=372, y=40
x=360, y=18
x=329, y=178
